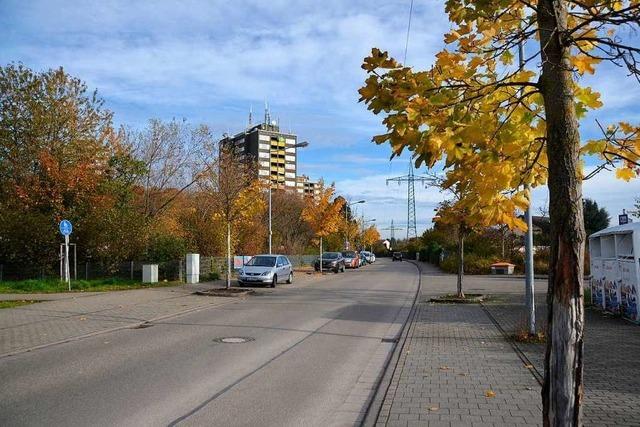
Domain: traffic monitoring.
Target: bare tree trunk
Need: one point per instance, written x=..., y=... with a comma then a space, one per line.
x=228, y=254
x=563, y=386
x=460, y=293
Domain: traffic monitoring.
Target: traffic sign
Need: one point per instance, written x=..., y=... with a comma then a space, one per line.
x=623, y=219
x=65, y=227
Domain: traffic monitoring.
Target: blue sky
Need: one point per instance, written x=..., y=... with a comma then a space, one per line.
x=209, y=61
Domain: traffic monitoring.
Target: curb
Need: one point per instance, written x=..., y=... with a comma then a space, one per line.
x=514, y=345
x=399, y=340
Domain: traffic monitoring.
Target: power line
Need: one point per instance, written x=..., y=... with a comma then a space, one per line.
x=406, y=43
x=410, y=179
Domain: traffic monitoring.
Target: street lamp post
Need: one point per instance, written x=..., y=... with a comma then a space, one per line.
x=298, y=145
x=346, y=222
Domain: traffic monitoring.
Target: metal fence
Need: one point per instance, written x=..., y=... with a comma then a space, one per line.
x=210, y=268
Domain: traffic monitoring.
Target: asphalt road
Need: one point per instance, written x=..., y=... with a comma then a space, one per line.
x=310, y=345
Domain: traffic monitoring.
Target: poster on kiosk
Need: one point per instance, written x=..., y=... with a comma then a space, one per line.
x=597, y=283
x=615, y=273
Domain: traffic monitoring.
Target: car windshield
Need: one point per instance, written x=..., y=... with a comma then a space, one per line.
x=330, y=255
x=262, y=261
x=349, y=254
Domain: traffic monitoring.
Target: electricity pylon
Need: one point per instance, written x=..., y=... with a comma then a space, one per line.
x=410, y=179
x=392, y=229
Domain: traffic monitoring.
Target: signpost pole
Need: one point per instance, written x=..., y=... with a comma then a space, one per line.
x=66, y=229
x=67, y=275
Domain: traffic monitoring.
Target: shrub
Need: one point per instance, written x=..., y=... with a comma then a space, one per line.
x=473, y=264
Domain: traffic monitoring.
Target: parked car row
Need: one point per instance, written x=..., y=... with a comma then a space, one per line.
x=339, y=261
x=273, y=269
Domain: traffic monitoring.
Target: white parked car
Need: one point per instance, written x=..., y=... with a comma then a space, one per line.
x=368, y=256
x=266, y=269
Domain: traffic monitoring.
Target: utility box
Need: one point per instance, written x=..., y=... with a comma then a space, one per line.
x=193, y=268
x=150, y=273
x=502, y=268
x=615, y=276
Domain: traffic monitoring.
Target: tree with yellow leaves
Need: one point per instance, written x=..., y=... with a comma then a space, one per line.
x=236, y=193
x=500, y=128
x=323, y=214
x=370, y=235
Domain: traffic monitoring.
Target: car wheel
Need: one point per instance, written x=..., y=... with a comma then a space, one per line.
x=274, y=281
x=290, y=279
x=336, y=270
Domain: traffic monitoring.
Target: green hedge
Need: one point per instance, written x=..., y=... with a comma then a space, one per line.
x=431, y=253
x=473, y=264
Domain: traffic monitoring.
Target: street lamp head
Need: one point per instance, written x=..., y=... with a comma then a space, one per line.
x=359, y=201
x=301, y=144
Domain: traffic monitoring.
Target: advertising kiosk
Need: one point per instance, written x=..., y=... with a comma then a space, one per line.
x=615, y=273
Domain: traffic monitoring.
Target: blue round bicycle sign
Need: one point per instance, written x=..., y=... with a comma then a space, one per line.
x=65, y=227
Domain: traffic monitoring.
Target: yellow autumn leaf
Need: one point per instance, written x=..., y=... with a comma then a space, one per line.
x=584, y=63
x=625, y=173
x=451, y=37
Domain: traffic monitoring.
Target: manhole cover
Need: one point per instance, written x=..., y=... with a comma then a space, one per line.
x=233, y=340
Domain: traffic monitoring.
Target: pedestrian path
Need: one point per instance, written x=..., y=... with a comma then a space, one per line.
x=611, y=364
x=459, y=367
x=456, y=369
x=70, y=316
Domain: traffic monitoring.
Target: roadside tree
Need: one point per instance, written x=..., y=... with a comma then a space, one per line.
x=370, y=236
x=323, y=214
x=60, y=158
x=507, y=128
x=235, y=193
x=595, y=218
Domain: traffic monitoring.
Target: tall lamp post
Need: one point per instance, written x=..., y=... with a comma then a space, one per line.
x=346, y=222
x=298, y=145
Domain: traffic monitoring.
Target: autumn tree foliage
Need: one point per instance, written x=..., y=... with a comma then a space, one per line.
x=291, y=233
x=236, y=195
x=501, y=127
x=370, y=235
x=323, y=214
x=59, y=158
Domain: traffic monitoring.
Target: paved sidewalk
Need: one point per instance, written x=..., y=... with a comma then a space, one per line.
x=458, y=369
x=69, y=316
x=611, y=365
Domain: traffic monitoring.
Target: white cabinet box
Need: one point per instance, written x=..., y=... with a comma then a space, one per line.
x=150, y=273
x=615, y=273
x=193, y=268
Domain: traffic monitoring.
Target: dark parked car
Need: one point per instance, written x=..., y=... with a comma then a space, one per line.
x=397, y=256
x=333, y=261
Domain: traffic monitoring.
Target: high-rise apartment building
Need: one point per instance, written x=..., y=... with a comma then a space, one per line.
x=274, y=151
x=306, y=186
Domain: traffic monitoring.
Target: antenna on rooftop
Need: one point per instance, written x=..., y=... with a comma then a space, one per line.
x=267, y=115
x=250, y=115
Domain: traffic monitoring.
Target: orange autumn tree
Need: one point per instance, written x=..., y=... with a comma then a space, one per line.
x=323, y=214
x=500, y=128
x=61, y=158
x=370, y=236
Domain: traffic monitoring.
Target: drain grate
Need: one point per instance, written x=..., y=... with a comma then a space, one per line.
x=233, y=340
